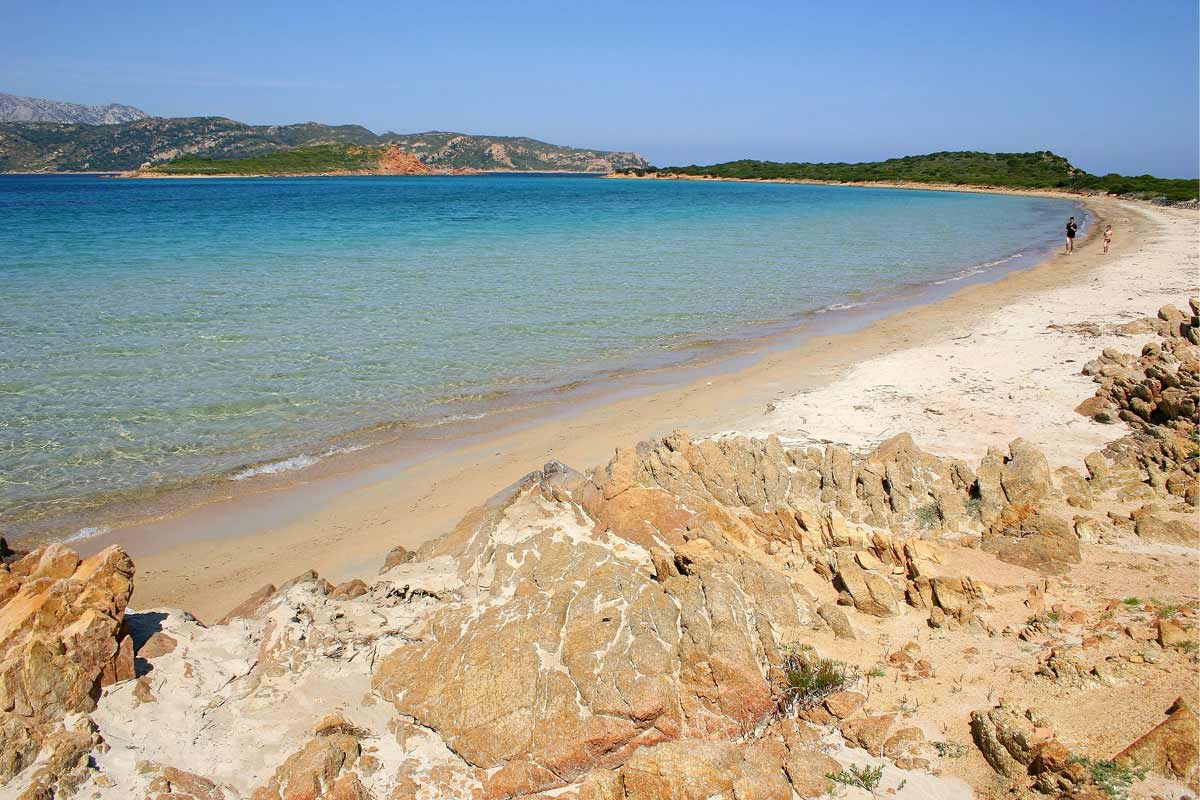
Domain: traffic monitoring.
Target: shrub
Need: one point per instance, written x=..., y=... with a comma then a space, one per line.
x=810, y=679
x=949, y=749
x=862, y=777
x=1110, y=776
x=929, y=515
x=975, y=507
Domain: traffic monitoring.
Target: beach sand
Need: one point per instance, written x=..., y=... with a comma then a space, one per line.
x=972, y=370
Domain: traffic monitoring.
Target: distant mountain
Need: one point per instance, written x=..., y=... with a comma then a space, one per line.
x=14, y=108
x=50, y=147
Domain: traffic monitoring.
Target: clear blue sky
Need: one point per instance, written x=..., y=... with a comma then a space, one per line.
x=1111, y=85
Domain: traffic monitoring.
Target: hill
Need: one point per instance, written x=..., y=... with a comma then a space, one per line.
x=1038, y=170
x=56, y=147
x=322, y=159
x=14, y=108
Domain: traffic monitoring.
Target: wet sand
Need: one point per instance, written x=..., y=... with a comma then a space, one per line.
x=341, y=523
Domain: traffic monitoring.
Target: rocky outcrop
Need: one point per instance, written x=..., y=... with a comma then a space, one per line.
x=324, y=769
x=1171, y=748
x=630, y=622
x=632, y=632
x=586, y=645
x=394, y=161
x=61, y=639
x=1022, y=748
x=1157, y=394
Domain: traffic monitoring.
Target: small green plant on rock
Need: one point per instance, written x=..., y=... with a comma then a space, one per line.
x=1132, y=601
x=928, y=516
x=810, y=679
x=949, y=749
x=1113, y=778
x=863, y=777
x=975, y=507
x=1165, y=610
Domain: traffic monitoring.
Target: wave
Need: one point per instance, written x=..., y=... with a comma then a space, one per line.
x=452, y=418
x=302, y=461
x=977, y=269
x=85, y=533
x=839, y=307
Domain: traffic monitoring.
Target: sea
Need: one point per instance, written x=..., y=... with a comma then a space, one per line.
x=159, y=332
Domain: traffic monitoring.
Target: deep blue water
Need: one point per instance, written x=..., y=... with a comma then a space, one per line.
x=158, y=330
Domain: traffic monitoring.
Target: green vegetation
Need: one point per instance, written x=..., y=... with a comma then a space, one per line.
x=1040, y=170
x=975, y=507
x=1110, y=776
x=1132, y=601
x=810, y=678
x=863, y=777
x=68, y=147
x=949, y=749
x=928, y=516
x=304, y=160
x=1165, y=610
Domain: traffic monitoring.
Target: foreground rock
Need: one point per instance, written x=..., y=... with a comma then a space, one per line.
x=61, y=639
x=641, y=631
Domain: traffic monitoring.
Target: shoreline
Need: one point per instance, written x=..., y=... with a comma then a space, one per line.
x=411, y=439
x=458, y=173
x=342, y=526
x=342, y=521
x=456, y=423
x=1075, y=194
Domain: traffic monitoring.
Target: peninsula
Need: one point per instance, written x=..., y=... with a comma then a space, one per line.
x=1041, y=170
x=325, y=159
x=131, y=145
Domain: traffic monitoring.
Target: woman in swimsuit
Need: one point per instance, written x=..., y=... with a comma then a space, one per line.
x=1107, y=237
x=1071, y=229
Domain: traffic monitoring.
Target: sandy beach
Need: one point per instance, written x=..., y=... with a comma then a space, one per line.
x=925, y=371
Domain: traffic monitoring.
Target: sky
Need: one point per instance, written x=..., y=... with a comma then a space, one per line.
x=1113, y=86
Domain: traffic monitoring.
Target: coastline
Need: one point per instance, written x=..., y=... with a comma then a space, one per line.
x=433, y=173
x=342, y=523
x=933, y=187
x=400, y=431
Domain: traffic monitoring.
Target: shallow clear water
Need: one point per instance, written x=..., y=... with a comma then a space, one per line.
x=157, y=330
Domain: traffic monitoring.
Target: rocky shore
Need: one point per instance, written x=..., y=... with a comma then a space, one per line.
x=725, y=617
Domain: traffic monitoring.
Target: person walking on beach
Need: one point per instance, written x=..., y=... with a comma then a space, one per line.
x=1071, y=229
x=1107, y=237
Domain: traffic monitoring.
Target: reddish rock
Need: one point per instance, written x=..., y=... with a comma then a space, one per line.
x=159, y=644
x=844, y=704
x=250, y=606
x=1171, y=748
x=349, y=590
x=869, y=733
x=396, y=556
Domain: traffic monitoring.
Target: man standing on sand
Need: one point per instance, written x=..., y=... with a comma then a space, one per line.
x=1071, y=229
x=1107, y=237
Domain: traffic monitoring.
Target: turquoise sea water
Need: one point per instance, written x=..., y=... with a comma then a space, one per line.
x=157, y=331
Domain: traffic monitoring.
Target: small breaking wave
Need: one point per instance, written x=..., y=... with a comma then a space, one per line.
x=85, y=533
x=302, y=461
x=839, y=307
x=452, y=418
x=976, y=270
